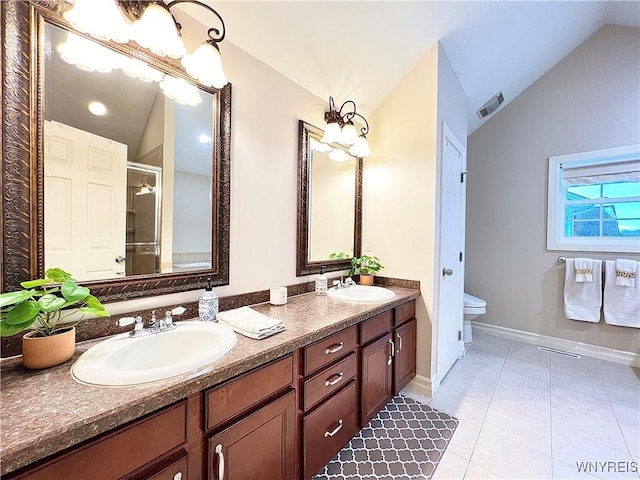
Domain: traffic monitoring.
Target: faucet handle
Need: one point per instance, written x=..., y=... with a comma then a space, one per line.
x=124, y=321
x=336, y=283
x=152, y=320
x=178, y=311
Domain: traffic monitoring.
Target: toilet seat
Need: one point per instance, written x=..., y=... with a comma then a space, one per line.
x=474, y=305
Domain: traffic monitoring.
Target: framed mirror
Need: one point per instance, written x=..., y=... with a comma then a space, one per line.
x=106, y=173
x=329, y=203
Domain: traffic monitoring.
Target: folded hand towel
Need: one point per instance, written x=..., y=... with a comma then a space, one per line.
x=621, y=304
x=626, y=272
x=584, y=269
x=582, y=301
x=247, y=321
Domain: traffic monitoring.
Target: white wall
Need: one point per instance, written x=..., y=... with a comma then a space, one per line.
x=590, y=100
x=400, y=183
x=191, y=212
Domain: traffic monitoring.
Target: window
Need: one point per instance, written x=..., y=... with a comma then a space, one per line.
x=594, y=201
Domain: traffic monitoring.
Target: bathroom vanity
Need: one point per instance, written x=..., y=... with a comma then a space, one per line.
x=278, y=408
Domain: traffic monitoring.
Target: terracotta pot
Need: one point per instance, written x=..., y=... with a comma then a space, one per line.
x=366, y=279
x=45, y=352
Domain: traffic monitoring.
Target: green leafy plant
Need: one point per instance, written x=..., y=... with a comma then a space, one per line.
x=339, y=256
x=40, y=305
x=365, y=265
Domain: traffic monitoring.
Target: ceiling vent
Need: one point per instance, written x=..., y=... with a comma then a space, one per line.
x=491, y=106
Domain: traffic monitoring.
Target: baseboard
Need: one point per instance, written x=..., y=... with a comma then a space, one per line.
x=595, y=351
x=422, y=386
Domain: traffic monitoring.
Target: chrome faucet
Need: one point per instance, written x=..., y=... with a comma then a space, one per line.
x=346, y=283
x=154, y=325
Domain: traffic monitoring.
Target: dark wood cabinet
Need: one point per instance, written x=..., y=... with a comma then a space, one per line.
x=376, y=376
x=257, y=447
x=404, y=362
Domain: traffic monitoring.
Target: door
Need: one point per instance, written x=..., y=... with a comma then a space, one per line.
x=377, y=370
x=260, y=446
x=404, y=363
x=451, y=271
x=85, y=181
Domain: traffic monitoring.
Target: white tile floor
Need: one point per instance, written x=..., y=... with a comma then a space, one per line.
x=529, y=414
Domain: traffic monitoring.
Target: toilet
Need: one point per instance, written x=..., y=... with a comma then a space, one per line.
x=473, y=307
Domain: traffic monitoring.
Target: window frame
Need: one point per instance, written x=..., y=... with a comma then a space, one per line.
x=556, y=199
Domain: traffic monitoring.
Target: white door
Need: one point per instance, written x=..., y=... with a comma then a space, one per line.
x=85, y=182
x=451, y=247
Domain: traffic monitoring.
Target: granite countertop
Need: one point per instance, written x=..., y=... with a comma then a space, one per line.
x=46, y=411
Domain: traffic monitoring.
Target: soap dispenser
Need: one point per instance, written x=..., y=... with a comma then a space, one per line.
x=208, y=304
x=321, y=283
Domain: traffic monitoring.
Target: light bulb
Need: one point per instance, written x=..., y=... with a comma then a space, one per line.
x=157, y=31
x=102, y=19
x=205, y=65
x=97, y=108
x=332, y=133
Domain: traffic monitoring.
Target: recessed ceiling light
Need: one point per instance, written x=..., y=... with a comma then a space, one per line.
x=97, y=108
x=204, y=138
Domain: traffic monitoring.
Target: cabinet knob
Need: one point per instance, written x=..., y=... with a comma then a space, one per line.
x=220, y=454
x=177, y=476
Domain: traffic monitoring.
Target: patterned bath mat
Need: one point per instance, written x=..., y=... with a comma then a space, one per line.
x=405, y=441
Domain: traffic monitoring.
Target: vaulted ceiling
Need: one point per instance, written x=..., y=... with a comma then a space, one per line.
x=361, y=50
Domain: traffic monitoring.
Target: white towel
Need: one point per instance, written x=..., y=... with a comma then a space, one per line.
x=250, y=323
x=621, y=304
x=626, y=272
x=582, y=301
x=584, y=269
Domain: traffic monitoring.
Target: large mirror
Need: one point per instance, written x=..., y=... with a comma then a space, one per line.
x=128, y=178
x=329, y=203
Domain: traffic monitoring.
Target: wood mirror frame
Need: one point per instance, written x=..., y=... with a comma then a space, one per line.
x=21, y=183
x=304, y=266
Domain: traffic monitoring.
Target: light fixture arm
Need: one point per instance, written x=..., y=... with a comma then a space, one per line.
x=335, y=115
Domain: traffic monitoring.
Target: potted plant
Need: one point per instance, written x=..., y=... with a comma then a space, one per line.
x=41, y=306
x=367, y=266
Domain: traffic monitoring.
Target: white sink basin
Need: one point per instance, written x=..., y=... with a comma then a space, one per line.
x=361, y=293
x=125, y=360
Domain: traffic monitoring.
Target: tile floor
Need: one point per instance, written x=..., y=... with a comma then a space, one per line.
x=528, y=414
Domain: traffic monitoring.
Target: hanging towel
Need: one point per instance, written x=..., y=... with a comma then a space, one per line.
x=582, y=301
x=250, y=323
x=626, y=272
x=584, y=270
x=621, y=304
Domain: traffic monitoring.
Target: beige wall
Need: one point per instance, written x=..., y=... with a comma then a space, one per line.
x=590, y=100
x=401, y=181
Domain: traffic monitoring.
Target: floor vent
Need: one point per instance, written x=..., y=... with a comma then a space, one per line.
x=559, y=352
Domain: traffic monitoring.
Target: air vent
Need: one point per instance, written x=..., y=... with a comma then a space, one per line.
x=491, y=106
x=559, y=352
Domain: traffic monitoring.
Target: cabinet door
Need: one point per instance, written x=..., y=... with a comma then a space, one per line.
x=257, y=447
x=404, y=363
x=376, y=377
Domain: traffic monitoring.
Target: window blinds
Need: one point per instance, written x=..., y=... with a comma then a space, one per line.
x=620, y=170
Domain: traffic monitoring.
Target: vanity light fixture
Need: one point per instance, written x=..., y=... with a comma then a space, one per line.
x=151, y=25
x=340, y=128
x=144, y=188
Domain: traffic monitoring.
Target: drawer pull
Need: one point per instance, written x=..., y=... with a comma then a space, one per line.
x=177, y=476
x=393, y=348
x=220, y=454
x=334, y=379
x=334, y=431
x=399, y=337
x=334, y=348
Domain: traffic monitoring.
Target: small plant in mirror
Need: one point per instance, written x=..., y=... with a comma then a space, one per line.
x=42, y=305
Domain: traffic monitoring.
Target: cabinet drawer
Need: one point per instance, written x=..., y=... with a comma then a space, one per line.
x=122, y=451
x=404, y=312
x=176, y=470
x=374, y=327
x=328, y=429
x=328, y=381
x=228, y=400
x=329, y=349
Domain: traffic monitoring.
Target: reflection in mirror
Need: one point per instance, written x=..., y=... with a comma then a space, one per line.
x=329, y=207
x=332, y=196
x=128, y=160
